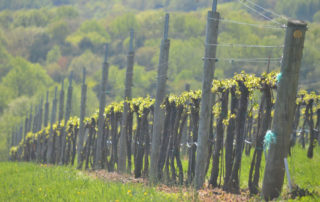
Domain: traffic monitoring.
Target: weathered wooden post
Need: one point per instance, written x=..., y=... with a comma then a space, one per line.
x=82, y=115
x=284, y=109
x=26, y=125
x=59, y=140
x=16, y=136
x=97, y=162
x=61, y=103
x=20, y=135
x=35, y=120
x=51, y=135
x=206, y=98
x=46, y=111
x=30, y=119
x=10, y=141
x=66, y=119
x=184, y=138
x=160, y=95
x=13, y=134
x=39, y=125
x=40, y=115
x=127, y=97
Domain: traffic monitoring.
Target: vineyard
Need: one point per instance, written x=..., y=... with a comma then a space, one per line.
x=242, y=122
x=196, y=139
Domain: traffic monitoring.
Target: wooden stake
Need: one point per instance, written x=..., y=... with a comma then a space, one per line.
x=46, y=111
x=67, y=117
x=82, y=115
x=160, y=95
x=127, y=97
x=206, y=99
x=98, y=154
x=284, y=109
x=50, y=145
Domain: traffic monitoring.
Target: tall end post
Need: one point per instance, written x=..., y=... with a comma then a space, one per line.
x=284, y=110
x=131, y=40
x=84, y=76
x=214, y=5
x=166, y=27
x=106, y=53
x=55, y=92
x=62, y=84
x=47, y=99
x=70, y=78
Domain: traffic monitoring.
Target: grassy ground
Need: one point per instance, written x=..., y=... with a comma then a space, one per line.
x=32, y=182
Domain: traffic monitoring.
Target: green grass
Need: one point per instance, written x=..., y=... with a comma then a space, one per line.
x=304, y=172
x=31, y=182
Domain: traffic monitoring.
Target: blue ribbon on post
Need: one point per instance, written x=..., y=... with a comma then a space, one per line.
x=269, y=138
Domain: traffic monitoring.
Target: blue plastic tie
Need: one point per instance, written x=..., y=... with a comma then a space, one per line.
x=279, y=77
x=270, y=138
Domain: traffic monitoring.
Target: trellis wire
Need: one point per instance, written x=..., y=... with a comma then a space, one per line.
x=244, y=45
x=282, y=27
x=257, y=12
x=267, y=10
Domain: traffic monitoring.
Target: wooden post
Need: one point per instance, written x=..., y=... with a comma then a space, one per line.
x=26, y=125
x=35, y=120
x=20, y=136
x=39, y=125
x=206, y=98
x=59, y=141
x=40, y=115
x=16, y=138
x=97, y=163
x=184, y=138
x=30, y=119
x=61, y=102
x=46, y=111
x=127, y=97
x=12, y=137
x=51, y=135
x=284, y=109
x=66, y=119
x=160, y=95
x=82, y=115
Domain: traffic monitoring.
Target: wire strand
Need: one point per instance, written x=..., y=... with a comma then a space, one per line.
x=257, y=12
x=267, y=10
x=253, y=60
x=282, y=27
x=244, y=45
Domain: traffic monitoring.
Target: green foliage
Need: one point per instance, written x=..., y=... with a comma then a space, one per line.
x=304, y=10
x=59, y=31
x=188, y=5
x=91, y=30
x=38, y=18
x=18, y=4
x=66, y=12
x=316, y=17
x=121, y=25
x=25, y=78
x=39, y=48
x=87, y=60
x=5, y=59
x=53, y=55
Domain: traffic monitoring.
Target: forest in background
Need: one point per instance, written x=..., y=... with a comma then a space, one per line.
x=42, y=41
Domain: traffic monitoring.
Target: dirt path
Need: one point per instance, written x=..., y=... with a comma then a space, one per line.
x=205, y=195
